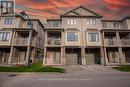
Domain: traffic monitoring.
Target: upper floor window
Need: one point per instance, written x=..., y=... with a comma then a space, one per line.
x=8, y=21
x=72, y=36
x=116, y=25
x=93, y=37
x=104, y=24
x=56, y=23
x=72, y=21
x=91, y=21
x=29, y=24
x=4, y=36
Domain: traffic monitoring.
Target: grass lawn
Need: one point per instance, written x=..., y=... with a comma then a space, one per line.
x=125, y=68
x=37, y=67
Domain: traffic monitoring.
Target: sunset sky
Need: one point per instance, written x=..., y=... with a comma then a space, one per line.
x=53, y=8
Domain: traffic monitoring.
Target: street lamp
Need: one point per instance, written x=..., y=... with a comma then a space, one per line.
x=31, y=25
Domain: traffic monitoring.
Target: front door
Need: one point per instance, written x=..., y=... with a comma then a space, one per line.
x=89, y=58
x=50, y=58
x=22, y=56
x=93, y=56
x=53, y=57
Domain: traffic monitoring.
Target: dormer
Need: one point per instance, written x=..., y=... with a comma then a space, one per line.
x=126, y=22
x=81, y=17
x=111, y=24
x=81, y=12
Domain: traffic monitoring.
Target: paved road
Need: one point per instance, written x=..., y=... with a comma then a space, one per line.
x=84, y=79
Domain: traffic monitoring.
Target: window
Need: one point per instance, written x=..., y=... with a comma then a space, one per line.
x=93, y=37
x=104, y=24
x=29, y=24
x=116, y=25
x=91, y=21
x=56, y=23
x=4, y=36
x=8, y=21
x=72, y=36
x=72, y=21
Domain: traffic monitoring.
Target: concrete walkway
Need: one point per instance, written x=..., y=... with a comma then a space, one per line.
x=79, y=69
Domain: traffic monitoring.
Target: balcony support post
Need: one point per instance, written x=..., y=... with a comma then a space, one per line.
x=118, y=38
x=102, y=56
x=10, y=56
x=63, y=55
x=12, y=48
x=122, y=59
x=44, y=59
x=106, y=58
x=46, y=40
x=83, y=56
x=28, y=54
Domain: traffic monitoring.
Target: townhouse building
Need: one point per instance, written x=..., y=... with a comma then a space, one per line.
x=20, y=40
x=82, y=37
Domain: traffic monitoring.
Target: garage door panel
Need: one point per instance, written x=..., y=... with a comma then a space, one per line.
x=72, y=58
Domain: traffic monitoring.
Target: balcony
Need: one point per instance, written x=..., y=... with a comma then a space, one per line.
x=111, y=42
x=21, y=41
x=125, y=41
x=54, y=41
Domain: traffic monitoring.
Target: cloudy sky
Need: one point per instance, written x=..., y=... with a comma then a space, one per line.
x=53, y=8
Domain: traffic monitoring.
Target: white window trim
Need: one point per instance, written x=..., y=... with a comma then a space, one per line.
x=72, y=21
x=6, y=36
x=72, y=41
x=9, y=21
x=91, y=21
x=98, y=38
x=118, y=25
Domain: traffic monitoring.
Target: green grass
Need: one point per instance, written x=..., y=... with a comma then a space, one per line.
x=125, y=68
x=37, y=67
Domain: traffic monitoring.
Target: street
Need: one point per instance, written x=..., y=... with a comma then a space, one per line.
x=84, y=79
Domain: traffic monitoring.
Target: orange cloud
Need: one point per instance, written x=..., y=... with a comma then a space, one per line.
x=118, y=2
x=54, y=8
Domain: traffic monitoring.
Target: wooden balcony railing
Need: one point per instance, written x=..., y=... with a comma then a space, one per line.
x=21, y=41
x=111, y=42
x=125, y=41
x=53, y=42
x=117, y=42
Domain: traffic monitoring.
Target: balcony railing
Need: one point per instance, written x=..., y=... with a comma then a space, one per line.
x=111, y=41
x=53, y=42
x=125, y=41
x=21, y=41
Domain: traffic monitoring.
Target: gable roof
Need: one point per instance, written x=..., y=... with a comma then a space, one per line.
x=77, y=14
x=127, y=17
x=71, y=12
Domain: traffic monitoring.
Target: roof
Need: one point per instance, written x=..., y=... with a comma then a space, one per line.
x=53, y=19
x=59, y=29
x=27, y=29
x=110, y=30
x=127, y=17
x=18, y=15
x=111, y=20
x=79, y=15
